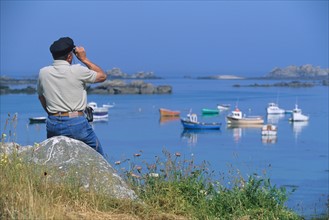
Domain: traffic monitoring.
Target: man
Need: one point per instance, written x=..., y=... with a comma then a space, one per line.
x=62, y=92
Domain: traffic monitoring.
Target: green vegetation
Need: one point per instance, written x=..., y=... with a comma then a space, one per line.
x=170, y=189
x=178, y=186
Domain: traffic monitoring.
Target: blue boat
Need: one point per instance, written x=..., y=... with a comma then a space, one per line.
x=191, y=122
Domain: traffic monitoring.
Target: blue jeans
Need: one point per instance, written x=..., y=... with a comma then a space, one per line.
x=77, y=128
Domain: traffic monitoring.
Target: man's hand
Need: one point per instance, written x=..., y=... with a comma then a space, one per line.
x=80, y=53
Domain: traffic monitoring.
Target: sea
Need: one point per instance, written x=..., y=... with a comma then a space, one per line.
x=296, y=159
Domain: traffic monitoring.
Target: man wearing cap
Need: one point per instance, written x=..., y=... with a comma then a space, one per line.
x=62, y=92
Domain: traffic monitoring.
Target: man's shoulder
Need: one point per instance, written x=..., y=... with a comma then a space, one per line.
x=46, y=68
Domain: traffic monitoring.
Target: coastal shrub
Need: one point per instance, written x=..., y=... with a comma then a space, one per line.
x=177, y=185
x=172, y=187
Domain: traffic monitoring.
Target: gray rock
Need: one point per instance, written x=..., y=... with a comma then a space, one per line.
x=164, y=89
x=117, y=87
x=66, y=158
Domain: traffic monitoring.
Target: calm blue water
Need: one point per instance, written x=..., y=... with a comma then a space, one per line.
x=297, y=158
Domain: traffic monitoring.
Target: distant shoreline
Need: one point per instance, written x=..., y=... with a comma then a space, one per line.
x=147, y=88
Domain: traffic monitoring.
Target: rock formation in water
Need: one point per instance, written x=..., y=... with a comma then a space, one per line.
x=135, y=87
x=304, y=71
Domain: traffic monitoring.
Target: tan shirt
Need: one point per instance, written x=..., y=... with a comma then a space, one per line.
x=64, y=86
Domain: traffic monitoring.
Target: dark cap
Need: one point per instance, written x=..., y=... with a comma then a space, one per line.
x=61, y=47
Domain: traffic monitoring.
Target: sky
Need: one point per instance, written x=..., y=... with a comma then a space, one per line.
x=169, y=38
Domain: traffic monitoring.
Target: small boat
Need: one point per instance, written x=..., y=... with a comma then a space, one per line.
x=207, y=111
x=191, y=122
x=223, y=107
x=269, y=130
x=109, y=105
x=168, y=113
x=297, y=115
x=35, y=120
x=236, y=118
x=273, y=108
x=99, y=112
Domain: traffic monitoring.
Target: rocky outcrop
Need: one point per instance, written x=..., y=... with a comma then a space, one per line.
x=116, y=73
x=7, y=90
x=4, y=80
x=135, y=87
x=292, y=84
x=304, y=71
x=64, y=158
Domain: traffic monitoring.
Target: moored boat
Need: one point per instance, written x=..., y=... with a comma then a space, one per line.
x=34, y=120
x=191, y=122
x=99, y=112
x=207, y=111
x=236, y=118
x=223, y=107
x=297, y=115
x=168, y=113
x=269, y=130
x=109, y=105
x=273, y=108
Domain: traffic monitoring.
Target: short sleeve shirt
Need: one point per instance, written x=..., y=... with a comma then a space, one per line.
x=64, y=86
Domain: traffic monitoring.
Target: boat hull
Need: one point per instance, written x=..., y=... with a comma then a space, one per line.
x=100, y=112
x=200, y=125
x=35, y=120
x=168, y=113
x=299, y=118
x=207, y=111
x=244, y=121
x=223, y=107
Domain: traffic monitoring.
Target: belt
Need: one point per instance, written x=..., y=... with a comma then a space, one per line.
x=68, y=114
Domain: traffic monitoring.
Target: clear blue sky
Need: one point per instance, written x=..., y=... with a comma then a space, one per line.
x=170, y=38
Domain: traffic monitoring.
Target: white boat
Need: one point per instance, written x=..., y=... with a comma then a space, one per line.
x=297, y=115
x=236, y=118
x=99, y=112
x=223, y=107
x=269, y=130
x=109, y=105
x=273, y=108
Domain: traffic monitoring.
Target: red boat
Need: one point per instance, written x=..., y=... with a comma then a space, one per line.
x=168, y=113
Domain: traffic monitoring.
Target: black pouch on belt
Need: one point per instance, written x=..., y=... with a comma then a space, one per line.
x=89, y=113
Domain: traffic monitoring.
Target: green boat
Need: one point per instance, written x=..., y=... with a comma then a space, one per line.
x=207, y=111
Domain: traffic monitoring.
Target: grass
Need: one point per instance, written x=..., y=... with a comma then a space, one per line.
x=170, y=188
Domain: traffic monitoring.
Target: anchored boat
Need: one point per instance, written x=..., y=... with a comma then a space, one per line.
x=297, y=115
x=236, y=117
x=191, y=122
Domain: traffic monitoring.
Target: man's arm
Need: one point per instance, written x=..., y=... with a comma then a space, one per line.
x=81, y=55
x=43, y=102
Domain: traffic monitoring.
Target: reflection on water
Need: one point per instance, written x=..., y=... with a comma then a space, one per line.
x=164, y=120
x=269, y=139
x=239, y=130
x=298, y=126
x=274, y=119
x=191, y=136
